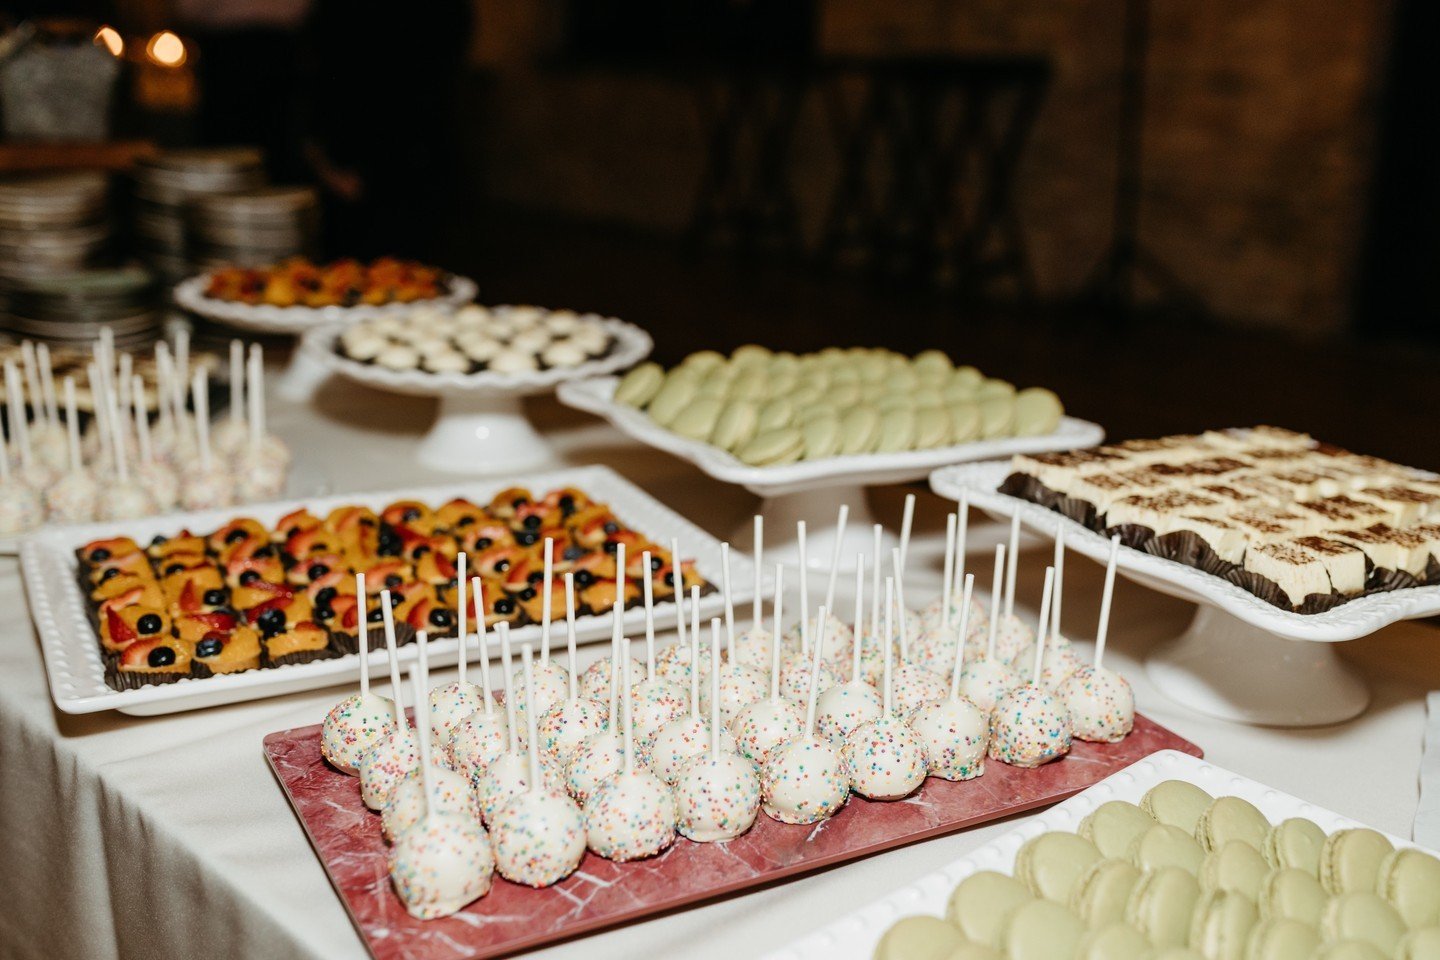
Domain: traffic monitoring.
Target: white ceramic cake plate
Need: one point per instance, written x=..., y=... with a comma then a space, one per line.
x=302, y=376
x=813, y=490
x=855, y=937
x=481, y=427
x=1241, y=658
x=72, y=651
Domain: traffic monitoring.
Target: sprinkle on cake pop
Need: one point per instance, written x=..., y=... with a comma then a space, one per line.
x=452, y=702
x=632, y=814
x=28, y=468
x=599, y=755
x=150, y=470
x=412, y=797
x=797, y=667
x=752, y=646
x=954, y=732
x=804, y=780
x=263, y=468
x=884, y=757
x=1100, y=702
x=124, y=499
x=1029, y=726
x=20, y=508
x=208, y=482
x=718, y=793
x=509, y=773
x=395, y=752
x=566, y=723
x=654, y=702
x=354, y=724
x=739, y=685
x=595, y=682
x=1014, y=640
x=552, y=682
x=540, y=833
x=680, y=740
x=764, y=724
x=846, y=706
x=485, y=734
x=911, y=683
x=444, y=861
x=986, y=679
x=47, y=437
x=72, y=498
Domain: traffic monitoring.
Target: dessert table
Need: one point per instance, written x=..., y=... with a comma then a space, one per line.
x=169, y=837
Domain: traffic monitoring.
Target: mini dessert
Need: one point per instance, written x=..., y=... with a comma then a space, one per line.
x=954, y=732
x=431, y=788
x=762, y=725
x=805, y=780
x=1030, y=727
x=684, y=738
x=601, y=754
x=936, y=634
x=718, y=792
x=451, y=703
x=343, y=283
x=846, y=706
x=739, y=685
x=986, y=680
x=798, y=668
x=567, y=723
x=508, y=774
x=1100, y=702
x=654, y=702
x=354, y=724
x=884, y=757
x=221, y=651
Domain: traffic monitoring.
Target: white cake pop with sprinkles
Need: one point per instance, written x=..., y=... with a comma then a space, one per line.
x=595, y=682
x=799, y=665
x=1059, y=660
x=954, y=732
x=74, y=496
x=152, y=472
x=395, y=752
x=632, y=814
x=354, y=724
x=673, y=662
x=684, y=738
x=539, y=833
x=1014, y=640
x=911, y=684
x=1030, y=726
x=599, y=755
x=986, y=679
x=804, y=779
x=1100, y=702
x=551, y=681
x=452, y=702
x=740, y=685
x=872, y=645
x=231, y=434
x=885, y=759
x=566, y=723
x=654, y=702
x=718, y=793
x=752, y=646
x=944, y=611
x=444, y=861
x=484, y=735
x=846, y=706
x=509, y=773
x=412, y=797
x=764, y=724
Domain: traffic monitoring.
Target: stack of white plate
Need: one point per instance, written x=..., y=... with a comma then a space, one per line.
x=52, y=223
x=73, y=308
x=165, y=184
x=254, y=228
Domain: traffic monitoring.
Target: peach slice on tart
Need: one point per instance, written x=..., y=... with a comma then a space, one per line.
x=599, y=597
x=229, y=651
x=237, y=531
x=304, y=636
x=99, y=551
x=316, y=567
x=532, y=600
x=567, y=500
x=485, y=536
x=276, y=616
x=436, y=568
x=256, y=592
x=505, y=503
x=297, y=521
x=142, y=595
x=497, y=561
x=156, y=655
x=193, y=626
x=122, y=627
x=244, y=571
x=183, y=542
x=132, y=563
x=386, y=574
x=341, y=612
x=406, y=514
x=196, y=591
x=122, y=583
x=308, y=543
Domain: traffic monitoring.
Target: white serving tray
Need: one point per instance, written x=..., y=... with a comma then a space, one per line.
x=72, y=651
x=268, y=318
x=1349, y=621
x=855, y=937
x=866, y=469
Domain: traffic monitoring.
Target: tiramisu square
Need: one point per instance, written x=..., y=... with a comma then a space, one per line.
x=1328, y=513
x=1388, y=547
x=1155, y=511
x=1295, y=570
x=1343, y=562
x=1225, y=538
x=1402, y=504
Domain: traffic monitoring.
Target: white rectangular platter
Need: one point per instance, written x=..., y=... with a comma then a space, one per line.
x=1349, y=621
x=72, y=652
x=597, y=394
x=855, y=937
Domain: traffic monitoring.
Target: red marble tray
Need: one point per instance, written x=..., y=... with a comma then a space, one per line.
x=602, y=894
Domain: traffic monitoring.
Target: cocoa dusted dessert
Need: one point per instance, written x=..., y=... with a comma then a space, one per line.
x=1301, y=524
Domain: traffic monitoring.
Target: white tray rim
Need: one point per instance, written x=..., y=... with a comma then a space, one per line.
x=71, y=649
x=596, y=396
x=267, y=318
x=1349, y=621
x=632, y=345
x=855, y=936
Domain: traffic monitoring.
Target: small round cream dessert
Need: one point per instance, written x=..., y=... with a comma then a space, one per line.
x=513, y=361
x=445, y=361
x=363, y=345
x=479, y=347
x=563, y=353
x=398, y=357
x=530, y=341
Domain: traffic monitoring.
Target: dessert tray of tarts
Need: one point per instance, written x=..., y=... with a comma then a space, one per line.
x=296, y=294
x=510, y=349
x=1171, y=857
x=191, y=610
x=1301, y=538
x=777, y=423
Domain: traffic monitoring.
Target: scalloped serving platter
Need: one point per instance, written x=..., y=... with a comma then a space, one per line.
x=1349, y=621
x=72, y=651
x=632, y=345
x=855, y=937
x=267, y=318
x=597, y=396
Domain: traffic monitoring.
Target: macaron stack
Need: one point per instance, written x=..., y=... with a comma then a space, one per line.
x=1184, y=875
x=771, y=408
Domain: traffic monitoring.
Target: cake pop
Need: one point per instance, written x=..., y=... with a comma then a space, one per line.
x=485, y=734
x=911, y=683
x=354, y=724
x=763, y=724
x=804, y=779
x=262, y=476
x=552, y=683
x=1059, y=660
x=20, y=508
x=73, y=497
x=1100, y=702
x=954, y=732
x=447, y=792
x=752, y=646
x=599, y=755
x=684, y=738
x=509, y=773
x=674, y=662
x=798, y=666
x=150, y=470
x=27, y=468
x=1029, y=726
x=846, y=706
x=452, y=702
x=934, y=643
x=566, y=723
x=444, y=861
x=654, y=702
x=631, y=815
x=597, y=680
x=539, y=833
x=1014, y=640
x=47, y=437
x=124, y=499
x=232, y=434
x=395, y=752
x=739, y=685
x=986, y=679
x=884, y=757
x=207, y=483
x=718, y=793
x=872, y=646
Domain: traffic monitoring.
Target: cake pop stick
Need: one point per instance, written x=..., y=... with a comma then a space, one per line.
x=32, y=378
x=477, y=590
x=877, y=561
x=504, y=630
x=1014, y=553
x=255, y=388
x=715, y=691
x=815, y=675
x=995, y=598
x=142, y=424
x=117, y=437
x=47, y=383
x=898, y=560
x=1059, y=582
x=758, y=614
x=1104, y=629
x=570, y=635
x=619, y=608
x=885, y=692
x=200, y=396
x=162, y=390
x=840, y=521
x=525, y=656
x=648, y=592
x=182, y=354
x=102, y=422
x=855, y=675
x=725, y=588
x=945, y=588
x=422, y=663
x=418, y=683
x=962, y=530
x=5, y=457
x=907, y=522
x=627, y=725
x=389, y=614
x=679, y=592
x=123, y=387
x=695, y=663
x=19, y=425
x=964, y=626
x=545, y=598
x=461, y=588
x=237, y=381
x=1041, y=635
x=364, y=639
x=72, y=426
x=775, y=634
x=804, y=588
x=695, y=622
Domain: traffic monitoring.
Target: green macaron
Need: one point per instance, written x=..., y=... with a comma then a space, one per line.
x=1295, y=843
x=1051, y=863
x=932, y=427
x=897, y=430
x=1114, y=825
x=1220, y=927
x=1166, y=846
x=1042, y=930
x=1115, y=941
x=1422, y=944
x=1231, y=818
x=1410, y=881
x=822, y=436
x=1362, y=916
x=697, y=421
x=1177, y=803
x=981, y=904
x=918, y=938
x=1282, y=940
x=1237, y=866
x=859, y=430
x=639, y=386
x=1100, y=894
x=1349, y=950
x=1350, y=860
x=778, y=412
x=933, y=362
x=750, y=353
x=735, y=425
x=964, y=421
x=773, y=447
x=1037, y=412
x=1162, y=904
x=997, y=416
x=672, y=398
x=995, y=388
x=967, y=378
x=1292, y=894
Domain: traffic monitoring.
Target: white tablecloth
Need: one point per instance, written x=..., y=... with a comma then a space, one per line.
x=168, y=837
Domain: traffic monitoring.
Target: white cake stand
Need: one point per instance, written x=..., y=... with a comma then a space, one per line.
x=813, y=490
x=301, y=378
x=1240, y=658
x=481, y=427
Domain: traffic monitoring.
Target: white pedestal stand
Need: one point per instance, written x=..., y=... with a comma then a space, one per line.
x=480, y=433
